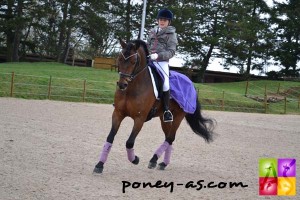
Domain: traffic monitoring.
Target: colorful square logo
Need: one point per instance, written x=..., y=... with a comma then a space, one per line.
x=268, y=186
x=277, y=176
x=268, y=167
x=287, y=167
x=286, y=186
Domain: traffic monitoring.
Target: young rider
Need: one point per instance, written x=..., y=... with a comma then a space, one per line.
x=162, y=43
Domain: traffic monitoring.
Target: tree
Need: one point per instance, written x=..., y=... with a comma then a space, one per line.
x=96, y=30
x=286, y=19
x=246, y=41
x=125, y=18
x=13, y=19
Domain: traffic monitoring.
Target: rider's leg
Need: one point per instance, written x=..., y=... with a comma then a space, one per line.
x=168, y=117
x=163, y=67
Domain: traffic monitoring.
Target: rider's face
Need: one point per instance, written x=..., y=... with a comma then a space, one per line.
x=163, y=23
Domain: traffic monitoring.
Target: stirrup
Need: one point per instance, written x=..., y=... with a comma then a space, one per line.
x=169, y=117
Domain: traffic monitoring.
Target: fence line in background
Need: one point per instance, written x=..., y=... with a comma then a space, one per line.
x=84, y=92
x=49, y=90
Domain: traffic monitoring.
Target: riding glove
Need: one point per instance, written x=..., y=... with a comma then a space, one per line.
x=154, y=56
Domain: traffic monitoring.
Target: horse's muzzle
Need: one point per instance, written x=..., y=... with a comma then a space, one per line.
x=122, y=85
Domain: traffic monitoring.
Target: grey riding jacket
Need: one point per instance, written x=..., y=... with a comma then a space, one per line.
x=163, y=42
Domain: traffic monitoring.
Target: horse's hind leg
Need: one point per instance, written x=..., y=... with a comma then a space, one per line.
x=138, y=124
x=116, y=121
x=166, y=148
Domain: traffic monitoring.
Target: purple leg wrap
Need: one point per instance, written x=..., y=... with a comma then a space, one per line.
x=130, y=154
x=105, y=152
x=167, y=156
x=162, y=149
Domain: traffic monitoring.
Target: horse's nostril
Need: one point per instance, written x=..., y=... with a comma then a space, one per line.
x=122, y=86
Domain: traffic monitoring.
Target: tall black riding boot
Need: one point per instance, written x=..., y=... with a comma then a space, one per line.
x=168, y=117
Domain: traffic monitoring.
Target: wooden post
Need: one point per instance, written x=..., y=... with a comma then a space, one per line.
x=246, y=91
x=285, y=105
x=266, y=103
x=12, y=84
x=266, y=99
x=49, y=87
x=266, y=89
x=73, y=57
x=84, y=90
x=278, y=89
x=223, y=97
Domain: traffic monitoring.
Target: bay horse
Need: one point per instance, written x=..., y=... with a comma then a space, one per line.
x=134, y=97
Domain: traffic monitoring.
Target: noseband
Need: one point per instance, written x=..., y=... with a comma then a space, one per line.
x=134, y=73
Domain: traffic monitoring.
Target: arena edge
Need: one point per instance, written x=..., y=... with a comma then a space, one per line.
x=189, y=185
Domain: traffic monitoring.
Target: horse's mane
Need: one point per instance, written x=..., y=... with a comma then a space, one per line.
x=138, y=43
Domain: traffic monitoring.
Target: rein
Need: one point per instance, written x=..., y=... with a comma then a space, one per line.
x=134, y=74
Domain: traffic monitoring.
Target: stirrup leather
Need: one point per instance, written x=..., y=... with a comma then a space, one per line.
x=168, y=116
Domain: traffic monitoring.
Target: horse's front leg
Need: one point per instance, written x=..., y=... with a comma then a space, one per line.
x=138, y=124
x=116, y=121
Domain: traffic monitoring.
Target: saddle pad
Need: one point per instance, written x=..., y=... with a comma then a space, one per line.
x=155, y=90
x=182, y=89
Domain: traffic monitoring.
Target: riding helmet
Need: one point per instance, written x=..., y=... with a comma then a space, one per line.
x=165, y=13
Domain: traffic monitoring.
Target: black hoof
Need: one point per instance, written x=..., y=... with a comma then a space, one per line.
x=136, y=160
x=152, y=165
x=99, y=168
x=153, y=162
x=162, y=166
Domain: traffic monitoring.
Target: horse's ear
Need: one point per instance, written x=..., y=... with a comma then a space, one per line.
x=123, y=44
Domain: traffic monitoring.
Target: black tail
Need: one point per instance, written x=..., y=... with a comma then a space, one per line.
x=200, y=125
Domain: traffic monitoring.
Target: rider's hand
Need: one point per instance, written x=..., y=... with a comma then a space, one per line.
x=154, y=56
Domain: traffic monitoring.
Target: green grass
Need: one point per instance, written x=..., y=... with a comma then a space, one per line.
x=237, y=98
x=58, y=70
x=31, y=81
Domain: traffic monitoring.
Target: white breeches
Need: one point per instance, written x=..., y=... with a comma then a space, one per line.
x=163, y=67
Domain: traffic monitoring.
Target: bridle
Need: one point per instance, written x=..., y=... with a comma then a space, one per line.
x=135, y=71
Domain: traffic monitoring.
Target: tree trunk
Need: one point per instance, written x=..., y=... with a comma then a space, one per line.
x=9, y=32
x=62, y=33
x=249, y=60
x=18, y=33
x=250, y=52
x=67, y=42
x=206, y=62
x=208, y=55
x=127, y=22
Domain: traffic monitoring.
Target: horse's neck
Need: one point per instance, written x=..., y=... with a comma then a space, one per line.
x=143, y=80
x=141, y=84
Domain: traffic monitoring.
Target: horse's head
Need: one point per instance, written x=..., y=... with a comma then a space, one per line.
x=131, y=62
